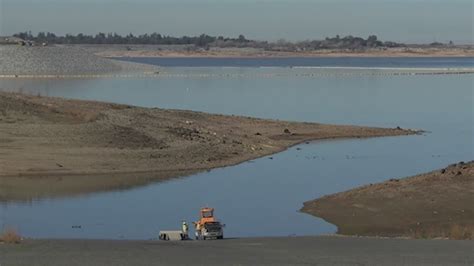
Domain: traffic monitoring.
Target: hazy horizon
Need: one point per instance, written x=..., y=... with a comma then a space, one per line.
x=410, y=21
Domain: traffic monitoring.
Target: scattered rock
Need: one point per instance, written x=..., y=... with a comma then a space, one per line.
x=287, y=131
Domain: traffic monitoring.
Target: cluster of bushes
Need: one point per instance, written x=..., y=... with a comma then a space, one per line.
x=10, y=236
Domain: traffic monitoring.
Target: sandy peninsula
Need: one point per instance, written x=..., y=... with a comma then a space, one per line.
x=55, y=147
x=60, y=61
x=161, y=51
x=431, y=205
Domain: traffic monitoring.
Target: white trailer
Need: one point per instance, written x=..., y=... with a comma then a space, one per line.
x=172, y=235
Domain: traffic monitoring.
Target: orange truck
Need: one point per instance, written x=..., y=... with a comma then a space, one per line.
x=208, y=227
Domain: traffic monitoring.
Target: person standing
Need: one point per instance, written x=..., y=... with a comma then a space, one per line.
x=185, y=230
x=198, y=231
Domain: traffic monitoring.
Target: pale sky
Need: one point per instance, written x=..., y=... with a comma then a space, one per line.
x=411, y=21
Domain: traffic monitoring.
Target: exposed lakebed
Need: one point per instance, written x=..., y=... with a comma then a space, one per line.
x=262, y=197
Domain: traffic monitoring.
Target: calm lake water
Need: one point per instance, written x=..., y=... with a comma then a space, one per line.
x=262, y=197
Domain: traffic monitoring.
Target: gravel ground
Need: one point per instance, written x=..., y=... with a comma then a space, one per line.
x=59, y=60
x=250, y=251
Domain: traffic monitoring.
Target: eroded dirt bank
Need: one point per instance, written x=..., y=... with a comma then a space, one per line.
x=435, y=204
x=54, y=147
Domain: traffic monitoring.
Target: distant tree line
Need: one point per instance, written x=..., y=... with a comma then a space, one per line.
x=347, y=42
x=206, y=41
x=114, y=38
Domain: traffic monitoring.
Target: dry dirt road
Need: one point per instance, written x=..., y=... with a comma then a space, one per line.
x=251, y=251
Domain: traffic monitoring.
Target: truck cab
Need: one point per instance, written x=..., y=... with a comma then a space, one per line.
x=212, y=230
x=208, y=226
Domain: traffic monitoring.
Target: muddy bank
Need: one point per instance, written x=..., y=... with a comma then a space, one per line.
x=435, y=204
x=53, y=147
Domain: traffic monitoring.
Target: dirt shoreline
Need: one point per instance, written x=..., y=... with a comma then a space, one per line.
x=56, y=147
x=118, y=51
x=431, y=205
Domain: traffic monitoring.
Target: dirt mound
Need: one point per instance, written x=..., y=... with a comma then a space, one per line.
x=122, y=137
x=436, y=204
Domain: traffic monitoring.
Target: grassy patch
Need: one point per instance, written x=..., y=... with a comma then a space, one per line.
x=461, y=232
x=10, y=236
